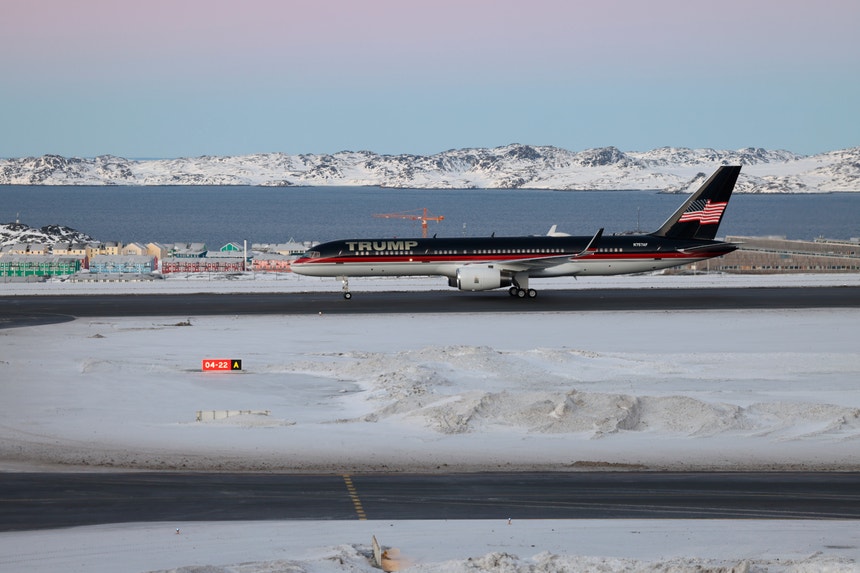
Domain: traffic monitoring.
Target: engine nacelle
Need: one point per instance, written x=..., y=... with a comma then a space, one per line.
x=479, y=277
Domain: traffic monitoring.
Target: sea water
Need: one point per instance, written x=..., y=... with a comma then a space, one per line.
x=216, y=215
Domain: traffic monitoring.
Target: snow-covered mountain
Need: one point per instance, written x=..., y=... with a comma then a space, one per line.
x=14, y=233
x=513, y=166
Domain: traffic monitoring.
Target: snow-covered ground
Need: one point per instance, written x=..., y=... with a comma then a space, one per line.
x=525, y=546
x=680, y=390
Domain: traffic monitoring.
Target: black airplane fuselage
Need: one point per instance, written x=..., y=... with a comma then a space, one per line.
x=485, y=263
x=616, y=254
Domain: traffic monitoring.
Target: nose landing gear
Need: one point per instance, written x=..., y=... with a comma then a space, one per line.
x=346, y=294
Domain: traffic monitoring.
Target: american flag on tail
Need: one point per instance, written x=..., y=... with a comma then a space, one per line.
x=706, y=212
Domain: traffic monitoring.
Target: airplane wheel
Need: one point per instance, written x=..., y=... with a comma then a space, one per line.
x=512, y=291
x=521, y=293
x=532, y=293
x=347, y=295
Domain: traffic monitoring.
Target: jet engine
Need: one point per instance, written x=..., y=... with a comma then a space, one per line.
x=479, y=277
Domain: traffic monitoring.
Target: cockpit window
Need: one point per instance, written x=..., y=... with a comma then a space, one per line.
x=311, y=255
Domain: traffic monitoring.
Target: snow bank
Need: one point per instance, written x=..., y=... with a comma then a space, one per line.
x=525, y=546
x=683, y=390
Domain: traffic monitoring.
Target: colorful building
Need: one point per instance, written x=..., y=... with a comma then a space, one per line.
x=38, y=265
x=122, y=264
x=272, y=262
x=202, y=265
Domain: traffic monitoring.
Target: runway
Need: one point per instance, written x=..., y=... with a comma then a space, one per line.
x=27, y=310
x=41, y=501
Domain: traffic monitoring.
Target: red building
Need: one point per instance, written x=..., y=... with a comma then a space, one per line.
x=202, y=265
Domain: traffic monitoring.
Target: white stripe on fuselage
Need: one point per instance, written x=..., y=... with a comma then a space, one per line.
x=583, y=266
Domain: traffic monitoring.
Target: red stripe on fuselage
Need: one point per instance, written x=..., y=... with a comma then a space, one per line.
x=466, y=259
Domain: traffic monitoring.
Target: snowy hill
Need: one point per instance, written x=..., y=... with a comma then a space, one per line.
x=14, y=233
x=513, y=166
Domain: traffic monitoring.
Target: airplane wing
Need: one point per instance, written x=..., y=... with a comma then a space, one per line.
x=545, y=262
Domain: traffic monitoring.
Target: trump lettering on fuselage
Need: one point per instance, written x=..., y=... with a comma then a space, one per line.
x=381, y=245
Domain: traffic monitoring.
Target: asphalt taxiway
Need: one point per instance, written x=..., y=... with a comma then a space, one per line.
x=27, y=310
x=41, y=501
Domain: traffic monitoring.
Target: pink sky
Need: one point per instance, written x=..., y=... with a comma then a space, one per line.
x=474, y=63
x=264, y=36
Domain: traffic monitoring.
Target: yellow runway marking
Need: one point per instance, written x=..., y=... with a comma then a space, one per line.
x=353, y=495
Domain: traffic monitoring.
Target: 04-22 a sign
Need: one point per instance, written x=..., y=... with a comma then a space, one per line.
x=221, y=364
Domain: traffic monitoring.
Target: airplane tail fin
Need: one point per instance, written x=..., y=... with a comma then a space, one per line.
x=700, y=215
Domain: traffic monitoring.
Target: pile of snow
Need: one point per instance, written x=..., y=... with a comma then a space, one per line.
x=524, y=546
x=682, y=390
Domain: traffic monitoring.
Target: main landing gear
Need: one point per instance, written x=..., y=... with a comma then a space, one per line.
x=522, y=292
x=521, y=287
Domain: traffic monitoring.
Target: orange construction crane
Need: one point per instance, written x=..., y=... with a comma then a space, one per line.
x=423, y=217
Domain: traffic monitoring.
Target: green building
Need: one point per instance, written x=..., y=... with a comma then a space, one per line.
x=38, y=265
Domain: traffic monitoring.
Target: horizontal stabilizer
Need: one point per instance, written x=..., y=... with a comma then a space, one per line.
x=721, y=248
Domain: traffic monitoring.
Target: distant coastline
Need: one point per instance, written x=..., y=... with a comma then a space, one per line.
x=515, y=166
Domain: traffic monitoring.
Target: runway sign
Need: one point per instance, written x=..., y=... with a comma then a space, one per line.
x=221, y=364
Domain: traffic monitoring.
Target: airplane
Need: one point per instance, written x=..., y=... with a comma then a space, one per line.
x=487, y=263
